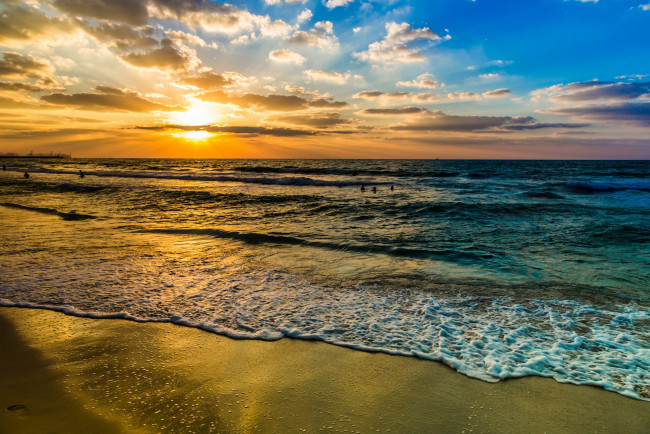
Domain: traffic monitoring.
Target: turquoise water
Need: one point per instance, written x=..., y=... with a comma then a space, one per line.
x=496, y=268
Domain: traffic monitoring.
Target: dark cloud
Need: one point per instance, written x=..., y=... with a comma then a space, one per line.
x=439, y=121
x=540, y=125
x=314, y=120
x=15, y=65
x=629, y=113
x=603, y=90
x=326, y=103
x=283, y=103
x=207, y=80
x=497, y=93
x=167, y=57
x=372, y=94
x=245, y=130
x=109, y=99
x=121, y=36
x=126, y=11
x=19, y=23
x=393, y=111
x=15, y=86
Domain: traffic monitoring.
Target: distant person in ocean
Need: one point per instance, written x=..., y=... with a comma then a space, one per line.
x=3, y=168
x=374, y=189
x=363, y=187
x=81, y=174
x=26, y=175
x=392, y=188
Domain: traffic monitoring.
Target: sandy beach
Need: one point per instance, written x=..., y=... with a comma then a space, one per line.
x=63, y=373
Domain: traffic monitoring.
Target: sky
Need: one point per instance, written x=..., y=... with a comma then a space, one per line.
x=534, y=79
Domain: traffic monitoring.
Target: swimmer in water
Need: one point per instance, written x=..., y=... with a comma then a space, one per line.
x=81, y=174
x=26, y=175
x=363, y=187
x=374, y=189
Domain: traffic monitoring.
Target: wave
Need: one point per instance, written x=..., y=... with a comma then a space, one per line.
x=599, y=187
x=544, y=194
x=73, y=215
x=348, y=171
x=278, y=180
x=261, y=238
x=488, y=338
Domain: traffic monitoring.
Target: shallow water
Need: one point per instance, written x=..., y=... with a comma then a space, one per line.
x=497, y=268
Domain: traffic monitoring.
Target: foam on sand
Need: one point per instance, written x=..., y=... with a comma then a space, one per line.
x=164, y=378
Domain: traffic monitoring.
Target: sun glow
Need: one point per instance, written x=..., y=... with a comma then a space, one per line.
x=196, y=135
x=197, y=114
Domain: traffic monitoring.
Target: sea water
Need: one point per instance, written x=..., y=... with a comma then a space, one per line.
x=496, y=268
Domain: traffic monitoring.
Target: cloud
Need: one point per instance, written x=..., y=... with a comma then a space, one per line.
x=278, y=2
x=439, y=121
x=284, y=55
x=330, y=77
x=243, y=130
x=314, y=120
x=325, y=26
x=126, y=11
x=271, y=102
x=635, y=113
x=22, y=24
x=16, y=65
x=188, y=38
x=108, y=99
x=207, y=80
x=216, y=18
x=122, y=37
x=320, y=36
x=12, y=104
x=400, y=45
x=645, y=7
x=327, y=103
x=423, y=81
x=304, y=16
x=594, y=90
x=168, y=57
x=497, y=93
x=393, y=111
x=331, y=4
x=377, y=94
x=14, y=86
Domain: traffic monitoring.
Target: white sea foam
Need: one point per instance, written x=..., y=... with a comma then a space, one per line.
x=489, y=338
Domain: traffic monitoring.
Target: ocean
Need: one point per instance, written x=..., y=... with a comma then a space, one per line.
x=498, y=269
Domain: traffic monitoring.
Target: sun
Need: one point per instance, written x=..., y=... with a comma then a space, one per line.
x=196, y=135
x=197, y=114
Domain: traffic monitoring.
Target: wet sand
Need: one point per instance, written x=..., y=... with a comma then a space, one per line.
x=68, y=374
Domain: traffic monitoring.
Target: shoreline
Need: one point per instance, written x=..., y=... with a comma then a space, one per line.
x=114, y=375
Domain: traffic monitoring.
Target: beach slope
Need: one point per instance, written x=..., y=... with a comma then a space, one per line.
x=63, y=374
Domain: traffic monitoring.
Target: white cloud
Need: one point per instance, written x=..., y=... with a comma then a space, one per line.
x=330, y=77
x=645, y=7
x=188, y=38
x=394, y=48
x=325, y=26
x=423, y=81
x=287, y=56
x=278, y=2
x=320, y=36
x=304, y=16
x=331, y=4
